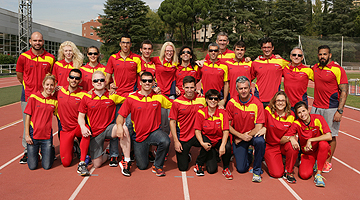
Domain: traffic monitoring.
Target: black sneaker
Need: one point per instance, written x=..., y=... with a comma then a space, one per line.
x=113, y=162
x=82, y=170
x=198, y=170
x=289, y=177
x=23, y=160
x=125, y=168
x=151, y=157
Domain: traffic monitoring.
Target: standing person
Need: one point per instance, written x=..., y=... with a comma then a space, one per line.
x=296, y=77
x=125, y=65
x=212, y=132
x=182, y=121
x=31, y=68
x=38, y=124
x=246, y=115
x=268, y=71
x=278, y=119
x=69, y=57
x=331, y=90
x=214, y=74
x=69, y=98
x=144, y=106
x=147, y=62
x=225, y=54
x=238, y=67
x=313, y=133
x=186, y=67
x=93, y=65
x=99, y=109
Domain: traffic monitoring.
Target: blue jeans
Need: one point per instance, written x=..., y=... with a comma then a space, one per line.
x=141, y=149
x=243, y=160
x=46, y=152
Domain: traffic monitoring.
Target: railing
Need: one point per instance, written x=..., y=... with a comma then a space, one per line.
x=354, y=87
x=7, y=69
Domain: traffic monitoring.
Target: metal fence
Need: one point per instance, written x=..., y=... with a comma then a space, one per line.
x=354, y=87
x=7, y=69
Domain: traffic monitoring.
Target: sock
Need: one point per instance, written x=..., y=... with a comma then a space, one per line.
x=127, y=159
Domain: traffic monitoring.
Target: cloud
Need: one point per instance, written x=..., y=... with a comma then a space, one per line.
x=98, y=7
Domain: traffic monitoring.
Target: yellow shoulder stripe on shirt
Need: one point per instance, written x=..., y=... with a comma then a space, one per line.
x=317, y=122
x=78, y=94
x=336, y=71
x=290, y=118
x=68, y=66
x=200, y=100
x=39, y=59
x=47, y=101
x=165, y=103
x=92, y=70
x=250, y=107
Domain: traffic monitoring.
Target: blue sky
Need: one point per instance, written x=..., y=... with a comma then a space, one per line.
x=66, y=15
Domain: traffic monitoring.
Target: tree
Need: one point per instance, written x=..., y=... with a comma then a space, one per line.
x=341, y=21
x=157, y=27
x=123, y=16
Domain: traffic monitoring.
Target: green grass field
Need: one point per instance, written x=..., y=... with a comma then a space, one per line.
x=10, y=95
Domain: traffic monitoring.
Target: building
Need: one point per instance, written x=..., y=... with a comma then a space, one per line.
x=88, y=29
x=200, y=34
x=53, y=37
x=356, y=3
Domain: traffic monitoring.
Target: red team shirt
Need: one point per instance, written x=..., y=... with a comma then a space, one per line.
x=165, y=75
x=125, y=71
x=100, y=111
x=183, y=111
x=268, y=73
x=276, y=126
x=213, y=76
x=148, y=67
x=145, y=112
x=41, y=110
x=34, y=69
x=212, y=127
x=317, y=127
x=227, y=55
x=243, y=117
x=296, y=80
x=237, y=69
x=327, y=80
x=87, y=72
x=181, y=72
x=61, y=71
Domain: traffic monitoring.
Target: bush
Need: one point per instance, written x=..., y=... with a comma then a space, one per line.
x=7, y=59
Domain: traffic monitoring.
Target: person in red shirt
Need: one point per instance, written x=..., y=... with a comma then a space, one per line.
x=182, y=120
x=246, y=115
x=330, y=94
x=186, y=67
x=38, y=124
x=214, y=74
x=147, y=62
x=268, y=71
x=296, y=77
x=278, y=119
x=99, y=108
x=145, y=108
x=225, y=54
x=212, y=131
x=31, y=68
x=313, y=133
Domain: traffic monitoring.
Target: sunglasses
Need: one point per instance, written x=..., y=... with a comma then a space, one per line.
x=97, y=80
x=74, y=77
x=214, y=98
x=93, y=53
x=213, y=50
x=184, y=52
x=147, y=80
x=299, y=55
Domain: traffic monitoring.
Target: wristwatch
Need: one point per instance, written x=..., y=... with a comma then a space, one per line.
x=340, y=111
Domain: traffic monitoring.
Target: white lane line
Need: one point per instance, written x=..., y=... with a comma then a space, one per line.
x=185, y=186
x=355, y=170
x=81, y=185
x=349, y=135
x=290, y=189
x=11, y=124
x=351, y=119
x=17, y=157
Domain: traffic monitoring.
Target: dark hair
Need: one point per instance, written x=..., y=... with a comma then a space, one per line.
x=192, y=60
x=76, y=71
x=146, y=74
x=125, y=35
x=239, y=44
x=324, y=47
x=97, y=49
x=298, y=105
x=212, y=92
x=273, y=102
x=146, y=42
x=189, y=79
x=266, y=40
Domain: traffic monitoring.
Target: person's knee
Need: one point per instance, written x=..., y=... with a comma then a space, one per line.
x=165, y=141
x=141, y=165
x=32, y=167
x=211, y=169
x=276, y=174
x=241, y=169
x=305, y=175
x=66, y=162
x=259, y=141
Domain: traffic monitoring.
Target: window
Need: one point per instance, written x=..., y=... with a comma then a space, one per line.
x=98, y=27
x=91, y=33
x=91, y=27
x=84, y=34
x=84, y=28
x=98, y=40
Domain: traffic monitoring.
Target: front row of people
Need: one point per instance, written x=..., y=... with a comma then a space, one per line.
x=195, y=121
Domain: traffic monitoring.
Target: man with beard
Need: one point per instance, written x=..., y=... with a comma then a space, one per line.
x=331, y=89
x=31, y=68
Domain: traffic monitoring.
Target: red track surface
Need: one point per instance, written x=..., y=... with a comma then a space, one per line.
x=8, y=81
x=18, y=182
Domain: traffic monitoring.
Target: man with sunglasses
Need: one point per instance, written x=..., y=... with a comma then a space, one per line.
x=296, y=78
x=214, y=74
x=69, y=98
x=268, y=71
x=145, y=109
x=99, y=108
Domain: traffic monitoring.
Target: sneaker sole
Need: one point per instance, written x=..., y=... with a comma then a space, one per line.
x=113, y=165
x=22, y=162
x=85, y=174
x=157, y=173
x=197, y=173
x=229, y=178
x=290, y=181
x=327, y=171
x=122, y=170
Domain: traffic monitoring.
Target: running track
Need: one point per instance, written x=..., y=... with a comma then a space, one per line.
x=8, y=81
x=18, y=182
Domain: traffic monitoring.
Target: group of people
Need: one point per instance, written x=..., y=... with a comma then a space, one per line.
x=138, y=101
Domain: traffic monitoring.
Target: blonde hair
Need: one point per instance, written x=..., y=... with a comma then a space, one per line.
x=47, y=77
x=273, y=100
x=162, y=52
x=97, y=72
x=78, y=56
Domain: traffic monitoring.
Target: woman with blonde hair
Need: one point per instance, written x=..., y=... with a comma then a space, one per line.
x=69, y=57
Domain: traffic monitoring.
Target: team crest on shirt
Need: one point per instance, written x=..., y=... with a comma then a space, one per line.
x=277, y=66
x=138, y=107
